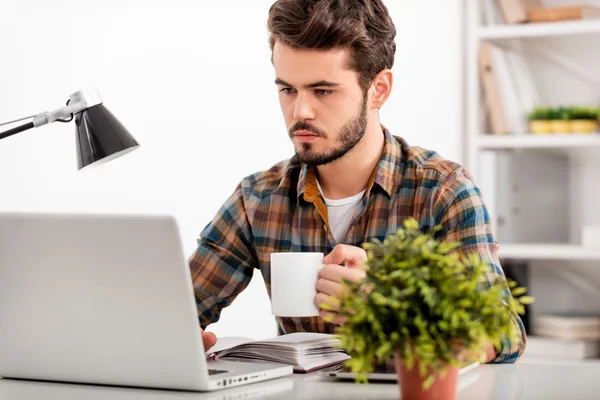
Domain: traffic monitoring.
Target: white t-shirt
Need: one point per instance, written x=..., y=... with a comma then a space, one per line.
x=341, y=212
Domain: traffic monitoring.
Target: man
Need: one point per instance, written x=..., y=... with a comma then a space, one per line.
x=350, y=180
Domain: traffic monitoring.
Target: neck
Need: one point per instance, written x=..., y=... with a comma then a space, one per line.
x=350, y=174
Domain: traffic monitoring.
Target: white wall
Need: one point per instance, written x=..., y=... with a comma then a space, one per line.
x=193, y=82
x=426, y=104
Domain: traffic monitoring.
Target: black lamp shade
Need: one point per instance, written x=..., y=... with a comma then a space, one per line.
x=101, y=137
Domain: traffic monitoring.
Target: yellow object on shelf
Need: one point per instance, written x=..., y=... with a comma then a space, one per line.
x=540, y=127
x=561, y=126
x=584, y=125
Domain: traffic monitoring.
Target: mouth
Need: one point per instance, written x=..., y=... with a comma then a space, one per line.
x=303, y=133
x=305, y=136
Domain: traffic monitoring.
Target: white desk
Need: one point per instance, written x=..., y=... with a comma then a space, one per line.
x=502, y=382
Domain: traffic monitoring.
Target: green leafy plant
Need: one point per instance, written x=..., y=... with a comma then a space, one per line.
x=422, y=302
x=587, y=113
x=545, y=113
x=540, y=114
x=561, y=113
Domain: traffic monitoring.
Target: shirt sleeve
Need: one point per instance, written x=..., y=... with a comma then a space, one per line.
x=460, y=209
x=224, y=261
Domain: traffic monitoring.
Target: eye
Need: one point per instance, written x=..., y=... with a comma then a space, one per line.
x=323, y=92
x=286, y=90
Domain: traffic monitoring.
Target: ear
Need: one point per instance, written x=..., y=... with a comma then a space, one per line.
x=381, y=88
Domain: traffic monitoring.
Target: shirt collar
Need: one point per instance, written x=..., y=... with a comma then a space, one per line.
x=386, y=175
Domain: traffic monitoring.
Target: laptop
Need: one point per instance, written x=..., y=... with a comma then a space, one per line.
x=105, y=299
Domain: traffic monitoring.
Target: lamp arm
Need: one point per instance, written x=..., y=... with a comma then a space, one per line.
x=60, y=113
x=16, y=129
x=78, y=101
x=45, y=118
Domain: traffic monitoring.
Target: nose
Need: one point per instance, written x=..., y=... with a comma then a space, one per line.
x=303, y=109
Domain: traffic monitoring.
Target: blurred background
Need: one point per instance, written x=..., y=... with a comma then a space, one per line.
x=510, y=88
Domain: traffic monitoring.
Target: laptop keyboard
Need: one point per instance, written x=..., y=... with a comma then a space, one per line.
x=216, y=371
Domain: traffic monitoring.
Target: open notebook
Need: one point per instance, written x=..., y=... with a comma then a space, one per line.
x=305, y=351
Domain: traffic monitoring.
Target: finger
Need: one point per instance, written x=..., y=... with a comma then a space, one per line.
x=332, y=317
x=329, y=302
x=351, y=256
x=209, y=339
x=337, y=273
x=329, y=287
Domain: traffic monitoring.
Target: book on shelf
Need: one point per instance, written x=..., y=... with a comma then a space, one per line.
x=491, y=13
x=568, y=326
x=306, y=351
x=564, y=13
x=510, y=97
x=516, y=11
x=491, y=91
x=576, y=349
x=508, y=88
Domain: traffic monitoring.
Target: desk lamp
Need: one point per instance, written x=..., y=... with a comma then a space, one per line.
x=100, y=136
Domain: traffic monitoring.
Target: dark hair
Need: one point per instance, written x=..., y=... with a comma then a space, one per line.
x=363, y=26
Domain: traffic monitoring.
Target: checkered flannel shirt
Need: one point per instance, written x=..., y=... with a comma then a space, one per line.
x=282, y=210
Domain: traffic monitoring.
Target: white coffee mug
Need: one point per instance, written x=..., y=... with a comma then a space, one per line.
x=293, y=284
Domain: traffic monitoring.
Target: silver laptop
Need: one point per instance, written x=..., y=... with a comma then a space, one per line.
x=105, y=299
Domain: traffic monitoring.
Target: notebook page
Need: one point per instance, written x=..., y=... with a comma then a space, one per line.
x=228, y=342
x=300, y=337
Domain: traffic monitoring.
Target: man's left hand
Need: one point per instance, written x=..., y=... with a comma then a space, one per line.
x=329, y=288
x=490, y=353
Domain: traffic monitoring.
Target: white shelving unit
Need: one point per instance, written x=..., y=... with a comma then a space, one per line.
x=566, y=28
x=556, y=142
x=548, y=252
x=505, y=165
x=541, y=189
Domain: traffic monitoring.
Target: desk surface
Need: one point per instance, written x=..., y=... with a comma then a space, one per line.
x=503, y=382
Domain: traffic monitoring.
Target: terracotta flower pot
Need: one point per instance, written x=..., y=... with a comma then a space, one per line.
x=411, y=383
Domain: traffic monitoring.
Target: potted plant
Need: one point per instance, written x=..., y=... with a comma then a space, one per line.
x=539, y=120
x=584, y=119
x=561, y=120
x=427, y=307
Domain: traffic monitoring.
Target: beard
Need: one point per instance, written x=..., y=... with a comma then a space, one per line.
x=350, y=135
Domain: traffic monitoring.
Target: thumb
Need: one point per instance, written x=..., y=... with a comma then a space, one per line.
x=350, y=256
x=209, y=339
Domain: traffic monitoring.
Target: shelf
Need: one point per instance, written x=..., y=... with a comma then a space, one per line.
x=546, y=29
x=548, y=252
x=531, y=141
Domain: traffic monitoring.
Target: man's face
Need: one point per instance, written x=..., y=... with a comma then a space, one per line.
x=324, y=108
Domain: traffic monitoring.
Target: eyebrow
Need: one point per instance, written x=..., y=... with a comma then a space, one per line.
x=310, y=85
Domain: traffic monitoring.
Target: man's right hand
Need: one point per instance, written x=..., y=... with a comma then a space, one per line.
x=209, y=339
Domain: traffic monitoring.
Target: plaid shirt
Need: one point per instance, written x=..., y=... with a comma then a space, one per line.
x=282, y=210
